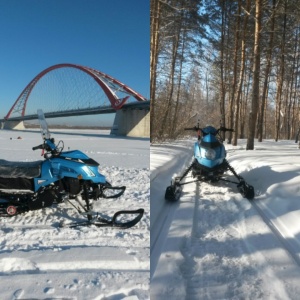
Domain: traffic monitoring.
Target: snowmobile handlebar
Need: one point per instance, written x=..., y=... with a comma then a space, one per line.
x=38, y=147
x=195, y=128
x=48, y=146
x=225, y=129
x=44, y=146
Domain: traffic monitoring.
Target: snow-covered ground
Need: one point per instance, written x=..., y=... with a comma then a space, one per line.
x=215, y=244
x=39, y=260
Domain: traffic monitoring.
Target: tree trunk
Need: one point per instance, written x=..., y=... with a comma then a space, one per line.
x=222, y=84
x=237, y=97
x=175, y=121
x=235, y=62
x=168, y=108
x=267, y=75
x=154, y=42
x=280, y=78
x=294, y=89
x=256, y=74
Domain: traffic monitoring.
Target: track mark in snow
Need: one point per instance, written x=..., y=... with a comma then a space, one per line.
x=49, y=290
x=196, y=212
x=88, y=259
x=18, y=293
x=290, y=245
x=216, y=264
x=189, y=267
x=159, y=233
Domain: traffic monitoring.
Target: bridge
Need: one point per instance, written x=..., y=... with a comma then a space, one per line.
x=73, y=90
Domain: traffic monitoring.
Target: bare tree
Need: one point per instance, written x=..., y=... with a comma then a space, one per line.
x=238, y=91
x=267, y=74
x=256, y=75
x=280, y=76
x=154, y=42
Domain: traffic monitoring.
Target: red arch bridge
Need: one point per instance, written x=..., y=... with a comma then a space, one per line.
x=65, y=90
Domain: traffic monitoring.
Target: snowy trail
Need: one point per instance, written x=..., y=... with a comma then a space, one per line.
x=221, y=246
x=161, y=211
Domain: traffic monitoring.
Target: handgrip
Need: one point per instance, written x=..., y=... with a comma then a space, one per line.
x=38, y=147
x=226, y=129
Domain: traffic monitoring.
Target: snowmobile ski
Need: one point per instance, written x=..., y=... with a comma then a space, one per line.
x=113, y=222
x=173, y=191
x=246, y=190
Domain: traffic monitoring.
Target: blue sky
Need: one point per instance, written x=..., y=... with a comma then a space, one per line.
x=112, y=36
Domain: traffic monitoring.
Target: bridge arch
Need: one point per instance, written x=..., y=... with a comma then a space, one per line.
x=108, y=84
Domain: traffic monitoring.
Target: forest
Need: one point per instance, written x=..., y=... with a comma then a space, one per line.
x=225, y=63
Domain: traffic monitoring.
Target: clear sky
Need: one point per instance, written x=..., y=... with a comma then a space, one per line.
x=112, y=36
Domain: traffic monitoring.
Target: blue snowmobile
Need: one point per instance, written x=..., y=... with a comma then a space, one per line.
x=209, y=164
x=69, y=176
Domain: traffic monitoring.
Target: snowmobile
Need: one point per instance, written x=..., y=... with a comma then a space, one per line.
x=209, y=164
x=63, y=176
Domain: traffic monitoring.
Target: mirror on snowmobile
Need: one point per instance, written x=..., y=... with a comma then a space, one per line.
x=44, y=126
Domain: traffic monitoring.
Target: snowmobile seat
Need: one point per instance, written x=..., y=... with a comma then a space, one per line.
x=13, y=169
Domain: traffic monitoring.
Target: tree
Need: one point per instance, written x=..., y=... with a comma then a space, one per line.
x=280, y=76
x=238, y=91
x=267, y=73
x=256, y=75
x=176, y=49
x=154, y=43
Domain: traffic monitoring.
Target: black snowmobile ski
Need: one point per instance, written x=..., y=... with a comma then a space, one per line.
x=96, y=221
x=173, y=192
x=246, y=190
x=101, y=221
x=113, y=222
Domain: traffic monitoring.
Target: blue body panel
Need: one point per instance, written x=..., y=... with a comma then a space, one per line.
x=68, y=164
x=74, y=154
x=209, y=143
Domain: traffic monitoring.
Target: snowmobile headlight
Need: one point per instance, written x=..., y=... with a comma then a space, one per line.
x=88, y=171
x=210, y=154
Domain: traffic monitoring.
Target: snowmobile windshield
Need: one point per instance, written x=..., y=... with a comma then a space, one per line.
x=44, y=126
x=209, y=130
x=209, y=141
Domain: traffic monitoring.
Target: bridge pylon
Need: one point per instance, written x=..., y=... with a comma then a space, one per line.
x=132, y=122
x=16, y=125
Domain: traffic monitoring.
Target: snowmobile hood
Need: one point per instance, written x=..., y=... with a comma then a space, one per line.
x=74, y=154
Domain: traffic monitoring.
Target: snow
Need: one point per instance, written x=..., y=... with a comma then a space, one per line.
x=39, y=260
x=215, y=244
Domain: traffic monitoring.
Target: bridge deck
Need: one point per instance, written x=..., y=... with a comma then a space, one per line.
x=81, y=112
